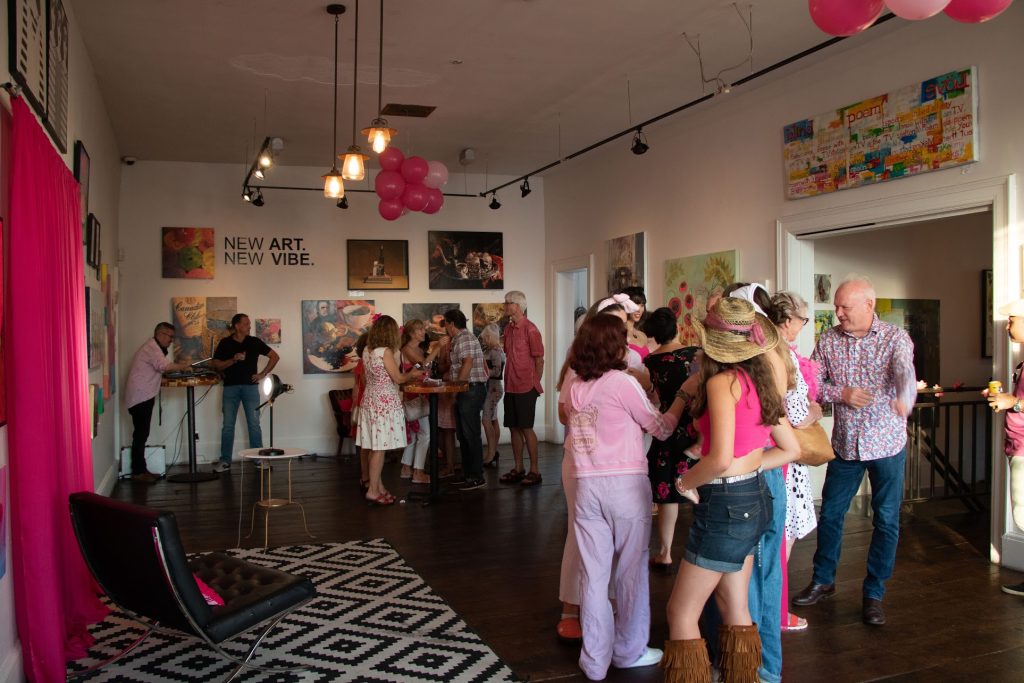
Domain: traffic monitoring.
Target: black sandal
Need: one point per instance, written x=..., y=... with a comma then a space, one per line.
x=513, y=476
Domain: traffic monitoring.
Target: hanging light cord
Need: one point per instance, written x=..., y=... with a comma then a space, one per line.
x=334, y=150
x=380, y=58
x=355, y=76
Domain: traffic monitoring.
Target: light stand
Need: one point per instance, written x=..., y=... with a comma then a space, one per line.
x=272, y=388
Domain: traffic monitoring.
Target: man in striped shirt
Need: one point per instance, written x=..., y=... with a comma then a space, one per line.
x=867, y=372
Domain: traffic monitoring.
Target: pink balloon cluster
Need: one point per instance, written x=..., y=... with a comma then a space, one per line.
x=847, y=17
x=412, y=184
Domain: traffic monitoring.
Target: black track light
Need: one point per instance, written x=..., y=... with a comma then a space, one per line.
x=495, y=204
x=640, y=145
x=257, y=199
x=525, y=187
x=343, y=202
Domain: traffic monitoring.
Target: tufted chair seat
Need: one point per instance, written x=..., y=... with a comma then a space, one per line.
x=136, y=556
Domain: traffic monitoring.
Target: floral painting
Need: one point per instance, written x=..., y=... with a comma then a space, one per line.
x=188, y=253
x=330, y=329
x=690, y=280
x=269, y=330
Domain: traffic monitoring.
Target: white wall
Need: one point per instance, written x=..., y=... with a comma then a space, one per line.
x=912, y=262
x=88, y=121
x=155, y=195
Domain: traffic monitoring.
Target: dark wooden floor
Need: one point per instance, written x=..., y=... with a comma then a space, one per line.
x=494, y=554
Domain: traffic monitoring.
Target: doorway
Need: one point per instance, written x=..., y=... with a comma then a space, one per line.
x=571, y=292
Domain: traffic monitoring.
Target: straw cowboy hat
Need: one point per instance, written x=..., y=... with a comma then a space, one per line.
x=734, y=332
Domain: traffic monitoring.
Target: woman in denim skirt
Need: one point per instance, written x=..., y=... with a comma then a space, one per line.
x=737, y=408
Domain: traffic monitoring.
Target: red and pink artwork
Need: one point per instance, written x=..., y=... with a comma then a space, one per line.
x=188, y=253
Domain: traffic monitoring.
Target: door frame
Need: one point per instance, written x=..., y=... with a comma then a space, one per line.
x=554, y=353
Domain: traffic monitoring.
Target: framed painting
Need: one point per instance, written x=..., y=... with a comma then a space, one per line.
x=268, y=330
x=466, y=260
x=921, y=320
x=188, y=253
x=627, y=261
x=987, y=322
x=690, y=280
x=822, y=288
x=82, y=176
x=378, y=264
x=485, y=314
x=28, y=42
x=58, y=39
x=431, y=314
x=330, y=329
x=92, y=243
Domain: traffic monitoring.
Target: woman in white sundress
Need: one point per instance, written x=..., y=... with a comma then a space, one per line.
x=381, y=414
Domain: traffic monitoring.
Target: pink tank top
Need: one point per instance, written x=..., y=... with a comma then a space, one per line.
x=643, y=351
x=750, y=433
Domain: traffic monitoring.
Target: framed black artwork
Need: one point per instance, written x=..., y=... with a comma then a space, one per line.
x=82, y=176
x=58, y=40
x=378, y=264
x=92, y=246
x=466, y=260
x=29, y=42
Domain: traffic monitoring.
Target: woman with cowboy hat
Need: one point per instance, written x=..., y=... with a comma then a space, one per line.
x=737, y=408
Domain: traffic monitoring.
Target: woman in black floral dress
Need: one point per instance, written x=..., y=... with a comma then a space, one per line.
x=670, y=367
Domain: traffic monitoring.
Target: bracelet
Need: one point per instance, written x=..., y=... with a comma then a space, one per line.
x=685, y=395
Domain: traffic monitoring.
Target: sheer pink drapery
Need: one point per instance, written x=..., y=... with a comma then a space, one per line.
x=48, y=413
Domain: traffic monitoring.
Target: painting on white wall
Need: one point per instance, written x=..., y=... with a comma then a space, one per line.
x=690, y=280
x=330, y=329
x=199, y=324
x=822, y=288
x=485, y=314
x=627, y=262
x=431, y=314
x=268, y=330
x=466, y=260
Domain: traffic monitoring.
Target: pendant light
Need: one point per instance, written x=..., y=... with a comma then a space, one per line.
x=379, y=134
x=333, y=187
x=353, y=168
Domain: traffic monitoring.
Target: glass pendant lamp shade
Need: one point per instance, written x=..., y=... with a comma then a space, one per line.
x=333, y=186
x=379, y=134
x=353, y=166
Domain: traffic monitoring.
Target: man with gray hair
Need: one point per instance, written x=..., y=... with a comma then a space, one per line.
x=867, y=372
x=524, y=366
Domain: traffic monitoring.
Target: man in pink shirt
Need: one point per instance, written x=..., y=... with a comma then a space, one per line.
x=141, y=388
x=524, y=366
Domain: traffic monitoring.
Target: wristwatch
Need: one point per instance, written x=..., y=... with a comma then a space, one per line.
x=1017, y=407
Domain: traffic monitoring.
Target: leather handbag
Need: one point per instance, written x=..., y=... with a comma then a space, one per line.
x=815, y=447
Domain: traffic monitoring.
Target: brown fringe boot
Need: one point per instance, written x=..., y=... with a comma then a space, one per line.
x=686, y=661
x=740, y=653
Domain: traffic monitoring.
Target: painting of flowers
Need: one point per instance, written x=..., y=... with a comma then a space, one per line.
x=690, y=280
x=188, y=253
x=268, y=330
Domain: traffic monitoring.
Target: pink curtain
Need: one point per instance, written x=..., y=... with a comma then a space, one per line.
x=48, y=426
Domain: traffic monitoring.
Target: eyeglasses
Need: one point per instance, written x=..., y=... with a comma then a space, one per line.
x=803, y=320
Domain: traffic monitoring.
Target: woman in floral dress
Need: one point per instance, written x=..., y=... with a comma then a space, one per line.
x=381, y=414
x=669, y=365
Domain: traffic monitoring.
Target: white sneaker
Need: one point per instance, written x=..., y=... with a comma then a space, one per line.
x=222, y=466
x=650, y=657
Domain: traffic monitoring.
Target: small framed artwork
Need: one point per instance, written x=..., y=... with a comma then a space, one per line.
x=92, y=245
x=82, y=176
x=986, y=313
x=378, y=264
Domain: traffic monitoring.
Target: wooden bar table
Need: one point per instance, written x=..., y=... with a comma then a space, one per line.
x=433, y=389
x=190, y=383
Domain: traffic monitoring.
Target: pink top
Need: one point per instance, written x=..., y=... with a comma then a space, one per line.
x=1013, y=444
x=145, y=374
x=522, y=346
x=607, y=418
x=750, y=433
x=643, y=351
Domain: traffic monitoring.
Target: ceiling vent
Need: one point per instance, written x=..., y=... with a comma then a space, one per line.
x=418, y=111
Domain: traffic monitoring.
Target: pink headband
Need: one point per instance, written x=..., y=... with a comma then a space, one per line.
x=620, y=299
x=753, y=331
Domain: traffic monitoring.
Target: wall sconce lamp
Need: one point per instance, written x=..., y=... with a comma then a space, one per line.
x=640, y=145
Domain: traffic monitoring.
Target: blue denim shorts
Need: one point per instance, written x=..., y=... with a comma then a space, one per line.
x=728, y=523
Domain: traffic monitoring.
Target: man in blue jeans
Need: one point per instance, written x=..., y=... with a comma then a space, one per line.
x=467, y=365
x=236, y=358
x=867, y=372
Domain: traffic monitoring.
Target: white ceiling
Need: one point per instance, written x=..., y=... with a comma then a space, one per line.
x=185, y=80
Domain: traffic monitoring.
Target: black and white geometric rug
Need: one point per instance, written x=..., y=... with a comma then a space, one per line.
x=373, y=620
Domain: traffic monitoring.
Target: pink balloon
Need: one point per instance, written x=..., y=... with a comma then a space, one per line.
x=437, y=175
x=435, y=200
x=391, y=159
x=414, y=169
x=390, y=209
x=389, y=184
x=415, y=196
x=844, y=17
x=915, y=10
x=976, y=11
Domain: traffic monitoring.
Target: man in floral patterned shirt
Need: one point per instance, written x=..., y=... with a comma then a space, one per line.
x=867, y=371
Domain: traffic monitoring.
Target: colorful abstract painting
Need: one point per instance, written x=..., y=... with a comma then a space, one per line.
x=690, y=280
x=268, y=330
x=485, y=314
x=626, y=262
x=199, y=324
x=920, y=318
x=188, y=253
x=922, y=127
x=823, y=320
x=431, y=314
x=330, y=328
x=466, y=260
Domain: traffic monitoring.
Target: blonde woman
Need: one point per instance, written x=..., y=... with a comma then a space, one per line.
x=381, y=414
x=494, y=358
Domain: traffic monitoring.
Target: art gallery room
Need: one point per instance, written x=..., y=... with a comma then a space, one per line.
x=282, y=183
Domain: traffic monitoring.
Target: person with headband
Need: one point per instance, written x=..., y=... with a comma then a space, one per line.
x=737, y=408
